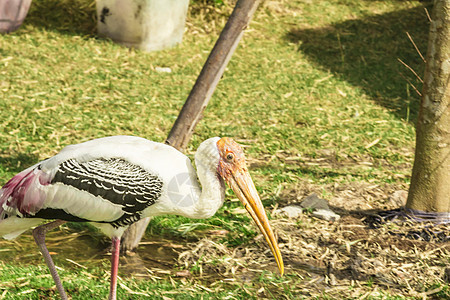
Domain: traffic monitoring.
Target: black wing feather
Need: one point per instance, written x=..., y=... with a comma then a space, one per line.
x=113, y=179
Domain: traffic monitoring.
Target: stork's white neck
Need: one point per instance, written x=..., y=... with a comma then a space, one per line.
x=213, y=189
x=191, y=201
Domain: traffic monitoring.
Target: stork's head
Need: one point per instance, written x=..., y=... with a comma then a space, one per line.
x=233, y=170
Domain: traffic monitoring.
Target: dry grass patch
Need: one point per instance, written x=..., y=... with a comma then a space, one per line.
x=347, y=258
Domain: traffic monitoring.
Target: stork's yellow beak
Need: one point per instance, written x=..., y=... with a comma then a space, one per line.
x=243, y=186
x=233, y=170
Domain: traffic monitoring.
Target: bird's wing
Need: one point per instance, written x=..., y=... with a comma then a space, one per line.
x=105, y=180
x=110, y=190
x=103, y=190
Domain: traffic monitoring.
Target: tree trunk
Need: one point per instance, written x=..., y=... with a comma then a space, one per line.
x=200, y=95
x=430, y=182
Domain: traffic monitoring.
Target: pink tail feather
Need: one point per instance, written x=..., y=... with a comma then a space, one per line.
x=22, y=194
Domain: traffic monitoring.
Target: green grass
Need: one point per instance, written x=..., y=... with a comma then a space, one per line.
x=33, y=282
x=314, y=91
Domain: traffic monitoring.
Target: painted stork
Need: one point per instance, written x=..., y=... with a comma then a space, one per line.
x=113, y=182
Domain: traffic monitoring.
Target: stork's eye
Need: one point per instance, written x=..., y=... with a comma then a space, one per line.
x=230, y=157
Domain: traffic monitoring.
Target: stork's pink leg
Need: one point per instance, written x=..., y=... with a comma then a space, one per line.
x=114, y=266
x=39, y=236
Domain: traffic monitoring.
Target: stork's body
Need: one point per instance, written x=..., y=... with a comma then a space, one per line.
x=113, y=182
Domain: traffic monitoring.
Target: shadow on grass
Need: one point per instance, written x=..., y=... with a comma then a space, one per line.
x=365, y=53
x=72, y=17
x=17, y=162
